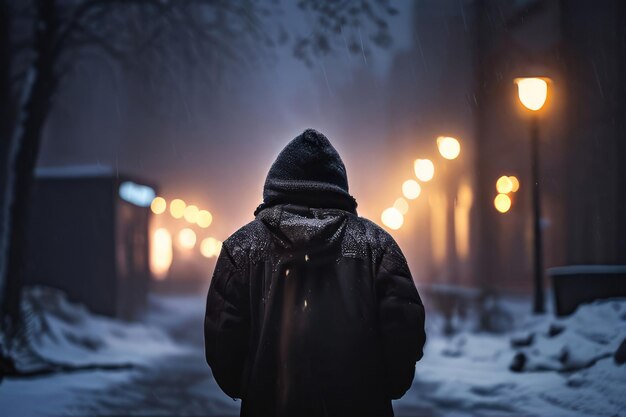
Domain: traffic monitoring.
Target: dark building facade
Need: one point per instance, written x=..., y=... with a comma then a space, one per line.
x=464, y=60
x=581, y=46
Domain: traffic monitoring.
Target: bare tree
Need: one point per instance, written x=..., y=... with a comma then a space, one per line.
x=40, y=40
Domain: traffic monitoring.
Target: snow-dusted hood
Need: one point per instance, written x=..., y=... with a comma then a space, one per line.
x=308, y=172
x=302, y=227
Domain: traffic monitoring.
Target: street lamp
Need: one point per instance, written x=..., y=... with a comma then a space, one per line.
x=424, y=169
x=449, y=148
x=533, y=93
x=392, y=218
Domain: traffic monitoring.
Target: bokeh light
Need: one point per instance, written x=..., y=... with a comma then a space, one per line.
x=210, y=247
x=515, y=183
x=160, y=253
x=392, y=218
x=187, y=238
x=504, y=185
x=191, y=213
x=205, y=218
x=449, y=148
x=502, y=202
x=401, y=205
x=177, y=208
x=411, y=189
x=158, y=205
x=424, y=169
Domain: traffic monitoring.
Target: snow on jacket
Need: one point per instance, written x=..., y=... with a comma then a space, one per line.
x=312, y=310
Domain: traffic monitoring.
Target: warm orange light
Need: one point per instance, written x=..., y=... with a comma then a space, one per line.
x=515, y=183
x=532, y=92
x=438, y=204
x=392, y=218
x=401, y=205
x=504, y=185
x=411, y=189
x=191, y=213
x=502, y=202
x=160, y=253
x=462, y=210
x=424, y=169
x=210, y=247
x=158, y=205
x=187, y=238
x=205, y=218
x=177, y=208
x=449, y=148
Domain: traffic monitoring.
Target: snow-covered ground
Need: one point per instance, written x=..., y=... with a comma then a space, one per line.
x=564, y=367
x=568, y=368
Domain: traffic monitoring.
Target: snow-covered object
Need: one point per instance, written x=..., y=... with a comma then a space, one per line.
x=571, y=373
x=61, y=331
x=594, y=332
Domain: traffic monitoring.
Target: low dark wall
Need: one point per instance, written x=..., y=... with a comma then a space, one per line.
x=578, y=284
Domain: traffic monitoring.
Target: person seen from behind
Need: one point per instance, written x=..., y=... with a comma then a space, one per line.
x=312, y=310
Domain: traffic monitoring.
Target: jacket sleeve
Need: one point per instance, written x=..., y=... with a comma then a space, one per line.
x=226, y=325
x=401, y=321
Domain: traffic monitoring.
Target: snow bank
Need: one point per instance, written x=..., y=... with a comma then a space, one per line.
x=569, y=368
x=66, y=332
x=594, y=332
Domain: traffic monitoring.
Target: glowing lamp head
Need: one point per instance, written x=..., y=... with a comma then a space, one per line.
x=177, y=208
x=401, y=205
x=411, y=189
x=160, y=253
x=502, y=203
x=504, y=185
x=449, y=148
x=191, y=213
x=392, y=218
x=187, y=238
x=424, y=169
x=210, y=247
x=205, y=218
x=158, y=205
x=532, y=92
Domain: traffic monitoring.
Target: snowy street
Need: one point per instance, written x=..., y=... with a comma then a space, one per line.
x=463, y=375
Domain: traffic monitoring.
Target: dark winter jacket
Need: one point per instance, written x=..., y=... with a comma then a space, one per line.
x=312, y=310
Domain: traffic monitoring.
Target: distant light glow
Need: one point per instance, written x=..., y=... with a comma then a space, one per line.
x=191, y=213
x=504, y=185
x=502, y=202
x=532, y=92
x=160, y=253
x=210, y=247
x=187, y=238
x=462, y=210
x=515, y=183
x=392, y=218
x=205, y=218
x=411, y=189
x=177, y=208
x=424, y=169
x=401, y=205
x=438, y=204
x=449, y=148
x=137, y=194
x=158, y=205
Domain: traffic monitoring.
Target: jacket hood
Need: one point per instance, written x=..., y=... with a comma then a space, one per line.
x=308, y=172
x=299, y=227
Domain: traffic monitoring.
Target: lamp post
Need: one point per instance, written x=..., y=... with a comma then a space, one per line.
x=450, y=149
x=533, y=93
